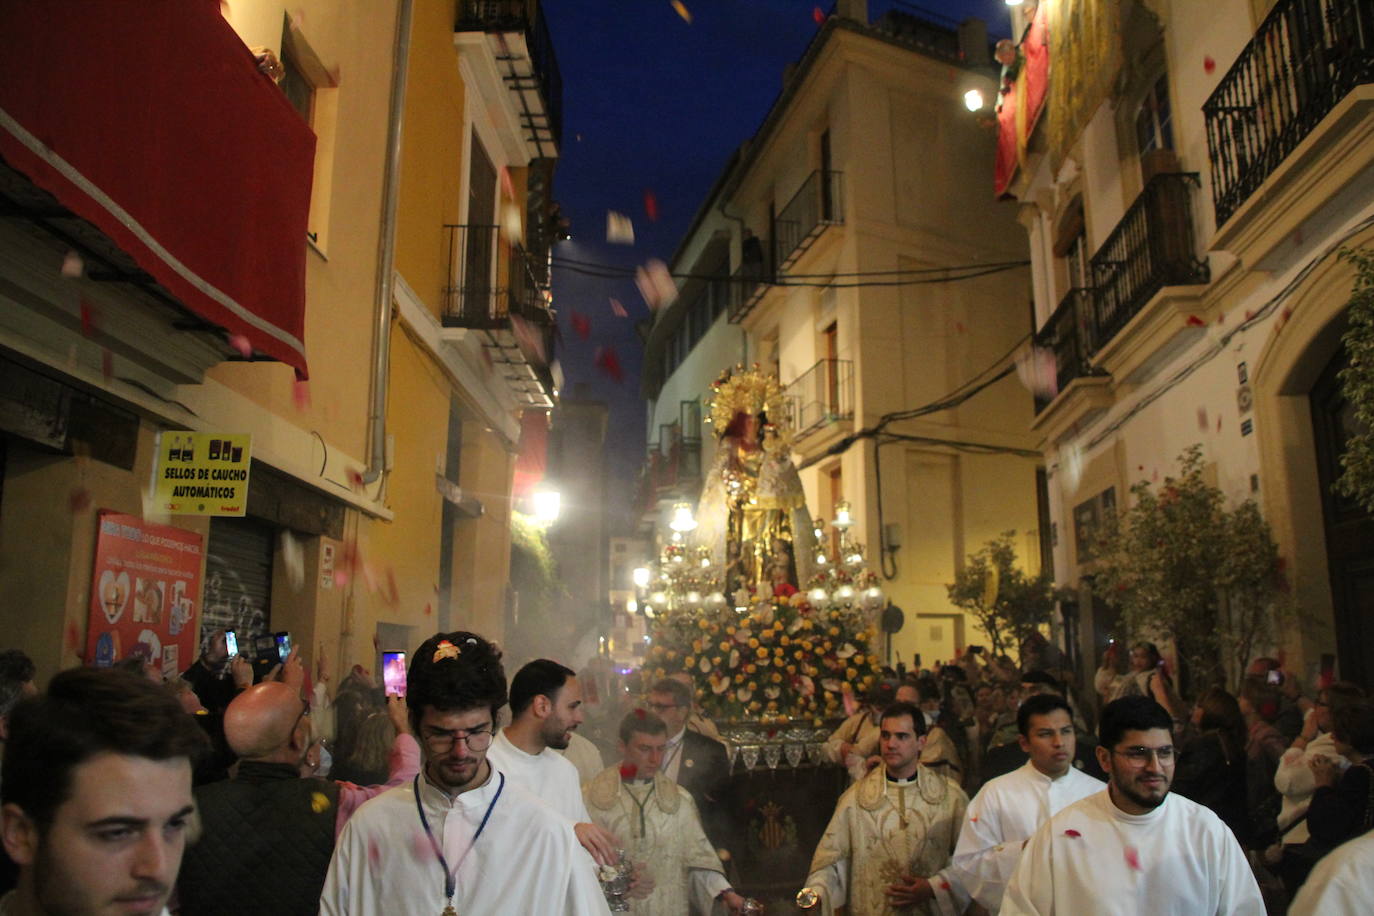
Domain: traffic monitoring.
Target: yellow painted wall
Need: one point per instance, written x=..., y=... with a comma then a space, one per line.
x=433, y=169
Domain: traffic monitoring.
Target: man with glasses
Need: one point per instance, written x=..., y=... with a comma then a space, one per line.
x=546, y=707
x=461, y=837
x=1134, y=848
x=697, y=763
x=268, y=820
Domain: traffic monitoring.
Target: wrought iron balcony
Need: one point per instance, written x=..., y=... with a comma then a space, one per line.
x=1303, y=59
x=822, y=395
x=489, y=281
x=817, y=204
x=1153, y=246
x=746, y=287
x=1068, y=335
x=533, y=67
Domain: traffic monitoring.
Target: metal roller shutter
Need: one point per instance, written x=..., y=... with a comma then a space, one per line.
x=238, y=579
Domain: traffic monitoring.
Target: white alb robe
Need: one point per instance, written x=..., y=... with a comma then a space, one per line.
x=1341, y=884
x=1002, y=816
x=548, y=776
x=1178, y=860
x=669, y=841
x=866, y=848
x=583, y=755
x=526, y=861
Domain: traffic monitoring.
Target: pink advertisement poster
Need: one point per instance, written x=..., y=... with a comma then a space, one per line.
x=145, y=593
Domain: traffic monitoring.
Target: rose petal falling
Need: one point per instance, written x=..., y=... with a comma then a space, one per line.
x=241, y=345
x=628, y=770
x=293, y=558
x=581, y=324
x=1133, y=858
x=618, y=309
x=355, y=479
x=681, y=9
x=650, y=205
x=90, y=319
x=818, y=15
x=655, y=284
x=1072, y=834
x=72, y=265
x=620, y=229
x=607, y=361
x=1208, y=65
x=1039, y=372
x=1202, y=423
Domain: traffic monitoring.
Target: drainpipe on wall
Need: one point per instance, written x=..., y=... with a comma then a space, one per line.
x=386, y=246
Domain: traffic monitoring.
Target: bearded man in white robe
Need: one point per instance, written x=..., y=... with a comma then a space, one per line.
x=1009, y=809
x=887, y=848
x=656, y=819
x=1134, y=848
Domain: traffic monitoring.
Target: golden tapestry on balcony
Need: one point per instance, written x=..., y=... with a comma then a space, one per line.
x=1085, y=46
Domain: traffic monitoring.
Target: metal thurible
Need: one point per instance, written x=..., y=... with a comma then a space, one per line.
x=807, y=898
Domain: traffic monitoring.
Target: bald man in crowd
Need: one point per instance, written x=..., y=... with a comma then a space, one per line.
x=269, y=833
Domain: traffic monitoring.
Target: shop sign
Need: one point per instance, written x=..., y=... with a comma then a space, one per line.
x=145, y=593
x=202, y=473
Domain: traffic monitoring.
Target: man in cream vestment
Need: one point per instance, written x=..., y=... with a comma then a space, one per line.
x=658, y=824
x=887, y=848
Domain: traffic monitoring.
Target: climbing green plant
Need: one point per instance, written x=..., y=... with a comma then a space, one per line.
x=1357, y=383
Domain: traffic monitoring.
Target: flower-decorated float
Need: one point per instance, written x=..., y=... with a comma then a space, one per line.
x=773, y=615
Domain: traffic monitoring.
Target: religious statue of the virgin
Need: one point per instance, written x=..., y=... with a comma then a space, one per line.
x=752, y=515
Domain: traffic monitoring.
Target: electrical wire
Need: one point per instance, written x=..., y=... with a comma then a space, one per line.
x=617, y=270
x=966, y=273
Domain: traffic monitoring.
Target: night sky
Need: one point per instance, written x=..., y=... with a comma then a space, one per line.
x=653, y=103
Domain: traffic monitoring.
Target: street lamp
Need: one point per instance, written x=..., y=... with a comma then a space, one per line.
x=682, y=521
x=641, y=576
x=547, y=503
x=844, y=516
x=973, y=100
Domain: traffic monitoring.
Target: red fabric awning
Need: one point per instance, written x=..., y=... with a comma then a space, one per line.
x=151, y=120
x=1021, y=106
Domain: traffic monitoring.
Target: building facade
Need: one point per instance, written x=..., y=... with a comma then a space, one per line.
x=1194, y=171
x=843, y=236
x=379, y=354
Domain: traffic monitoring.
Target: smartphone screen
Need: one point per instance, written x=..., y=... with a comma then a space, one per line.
x=231, y=643
x=394, y=673
x=283, y=645
x=1275, y=677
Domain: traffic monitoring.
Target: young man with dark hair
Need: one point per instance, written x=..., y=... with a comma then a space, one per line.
x=1134, y=848
x=1340, y=808
x=660, y=824
x=1007, y=811
x=97, y=795
x=462, y=837
x=546, y=706
x=888, y=844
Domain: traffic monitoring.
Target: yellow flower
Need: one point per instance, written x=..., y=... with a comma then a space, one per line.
x=858, y=659
x=753, y=685
x=724, y=645
x=851, y=673
x=702, y=624
x=715, y=660
x=715, y=628
x=786, y=641
x=672, y=653
x=754, y=705
x=797, y=655
x=739, y=679
x=834, y=631
x=751, y=668
x=777, y=678
x=730, y=630
x=696, y=645
x=777, y=650
x=791, y=669
x=777, y=662
x=753, y=643
x=689, y=661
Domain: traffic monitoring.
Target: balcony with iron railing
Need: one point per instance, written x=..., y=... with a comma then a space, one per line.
x=818, y=204
x=822, y=396
x=1304, y=58
x=1153, y=246
x=489, y=281
x=1068, y=335
x=533, y=67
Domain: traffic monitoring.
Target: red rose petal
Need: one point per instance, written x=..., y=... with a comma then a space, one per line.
x=628, y=770
x=1133, y=858
x=650, y=205
x=374, y=854
x=241, y=343
x=1074, y=834
x=90, y=317
x=817, y=15
x=1208, y=65
x=1196, y=322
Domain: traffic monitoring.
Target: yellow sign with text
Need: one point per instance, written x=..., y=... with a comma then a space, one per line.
x=203, y=473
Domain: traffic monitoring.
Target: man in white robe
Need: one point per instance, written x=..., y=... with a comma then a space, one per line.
x=546, y=706
x=1341, y=884
x=462, y=837
x=1134, y=848
x=1009, y=809
x=660, y=826
x=887, y=847
x=854, y=745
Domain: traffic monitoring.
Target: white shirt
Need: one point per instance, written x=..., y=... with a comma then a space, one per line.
x=1005, y=812
x=525, y=861
x=672, y=755
x=547, y=775
x=584, y=755
x=1341, y=883
x=1094, y=858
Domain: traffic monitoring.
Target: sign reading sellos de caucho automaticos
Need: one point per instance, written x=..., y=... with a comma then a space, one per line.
x=202, y=473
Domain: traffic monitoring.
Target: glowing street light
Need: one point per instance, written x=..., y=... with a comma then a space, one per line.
x=973, y=100
x=547, y=503
x=844, y=516
x=641, y=576
x=682, y=518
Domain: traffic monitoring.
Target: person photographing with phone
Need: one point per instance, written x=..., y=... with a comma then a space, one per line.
x=269, y=819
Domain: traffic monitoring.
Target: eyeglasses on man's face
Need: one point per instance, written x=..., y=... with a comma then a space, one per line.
x=661, y=708
x=1139, y=756
x=441, y=741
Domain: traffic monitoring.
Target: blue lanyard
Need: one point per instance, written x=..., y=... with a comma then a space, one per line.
x=450, y=879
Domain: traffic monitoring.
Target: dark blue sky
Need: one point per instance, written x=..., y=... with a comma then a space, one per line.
x=651, y=102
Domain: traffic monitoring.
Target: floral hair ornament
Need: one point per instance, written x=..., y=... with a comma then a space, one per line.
x=444, y=650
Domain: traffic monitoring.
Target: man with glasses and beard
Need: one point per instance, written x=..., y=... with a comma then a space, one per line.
x=461, y=837
x=1134, y=848
x=545, y=707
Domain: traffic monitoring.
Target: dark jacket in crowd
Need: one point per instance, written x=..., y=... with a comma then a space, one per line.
x=705, y=774
x=265, y=844
x=1343, y=811
x=1215, y=779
